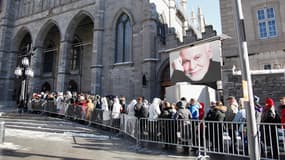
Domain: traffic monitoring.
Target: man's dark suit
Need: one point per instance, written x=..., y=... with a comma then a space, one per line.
x=213, y=74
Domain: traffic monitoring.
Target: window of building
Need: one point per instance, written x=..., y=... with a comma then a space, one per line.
x=267, y=66
x=49, y=55
x=161, y=29
x=75, y=54
x=267, y=23
x=1, y=3
x=123, y=39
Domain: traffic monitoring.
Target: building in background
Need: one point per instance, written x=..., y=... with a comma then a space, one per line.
x=265, y=33
x=93, y=46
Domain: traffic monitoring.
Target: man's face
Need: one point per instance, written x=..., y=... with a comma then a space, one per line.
x=195, y=62
x=282, y=101
x=230, y=101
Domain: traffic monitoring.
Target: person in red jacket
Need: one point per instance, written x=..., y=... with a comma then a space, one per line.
x=201, y=111
x=282, y=108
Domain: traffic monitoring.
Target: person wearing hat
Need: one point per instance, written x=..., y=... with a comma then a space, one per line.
x=216, y=137
x=269, y=132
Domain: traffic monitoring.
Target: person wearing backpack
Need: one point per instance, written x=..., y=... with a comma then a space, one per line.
x=194, y=108
x=182, y=117
x=210, y=113
x=216, y=129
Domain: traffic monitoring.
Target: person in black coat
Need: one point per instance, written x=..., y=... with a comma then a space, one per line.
x=269, y=132
x=215, y=130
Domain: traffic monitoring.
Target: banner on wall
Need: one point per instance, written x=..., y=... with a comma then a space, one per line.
x=199, y=64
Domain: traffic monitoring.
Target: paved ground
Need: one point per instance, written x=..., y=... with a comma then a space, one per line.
x=35, y=137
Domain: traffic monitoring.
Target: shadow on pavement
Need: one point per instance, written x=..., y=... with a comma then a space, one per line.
x=13, y=153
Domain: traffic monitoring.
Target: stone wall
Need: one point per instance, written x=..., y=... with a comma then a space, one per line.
x=270, y=85
x=100, y=75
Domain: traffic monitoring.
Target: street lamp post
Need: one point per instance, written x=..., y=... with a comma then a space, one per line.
x=253, y=143
x=24, y=72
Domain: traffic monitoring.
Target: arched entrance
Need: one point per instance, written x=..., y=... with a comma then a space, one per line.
x=80, y=33
x=50, y=55
x=164, y=79
x=72, y=86
x=46, y=87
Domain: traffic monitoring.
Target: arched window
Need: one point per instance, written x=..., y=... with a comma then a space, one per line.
x=161, y=29
x=123, y=39
x=75, y=54
x=49, y=56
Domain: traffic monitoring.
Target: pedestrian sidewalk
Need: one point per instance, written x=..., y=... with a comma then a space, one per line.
x=78, y=142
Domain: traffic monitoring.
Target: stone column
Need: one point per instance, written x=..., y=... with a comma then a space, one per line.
x=62, y=65
x=149, y=51
x=36, y=65
x=97, y=66
x=97, y=49
x=7, y=56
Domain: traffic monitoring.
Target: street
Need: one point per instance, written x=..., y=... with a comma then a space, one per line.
x=34, y=137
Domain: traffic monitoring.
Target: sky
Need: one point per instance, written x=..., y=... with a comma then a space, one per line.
x=211, y=11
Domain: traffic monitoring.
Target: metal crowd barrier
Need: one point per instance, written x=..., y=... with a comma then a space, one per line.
x=121, y=122
x=206, y=137
x=213, y=137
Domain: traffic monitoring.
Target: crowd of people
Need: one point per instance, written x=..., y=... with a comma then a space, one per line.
x=232, y=111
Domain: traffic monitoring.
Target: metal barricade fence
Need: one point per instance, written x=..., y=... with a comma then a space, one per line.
x=227, y=138
x=170, y=132
x=272, y=140
x=121, y=122
x=36, y=105
x=129, y=125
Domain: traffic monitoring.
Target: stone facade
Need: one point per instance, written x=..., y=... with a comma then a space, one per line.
x=265, y=53
x=52, y=27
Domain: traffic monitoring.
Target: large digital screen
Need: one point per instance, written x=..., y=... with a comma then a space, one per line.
x=198, y=64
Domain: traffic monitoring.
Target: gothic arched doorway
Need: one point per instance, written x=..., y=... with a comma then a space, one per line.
x=72, y=86
x=164, y=80
x=46, y=87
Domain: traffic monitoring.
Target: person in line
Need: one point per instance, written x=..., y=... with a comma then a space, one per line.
x=282, y=108
x=131, y=108
x=239, y=126
x=194, y=109
x=89, y=109
x=131, y=114
x=216, y=129
x=123, y=104
x=60, y=103
x=232, y=109
x=209, y=115
x=116, y=108
x=183, y=115
x=258, y=109
x=269, y=132
x=154, y=113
